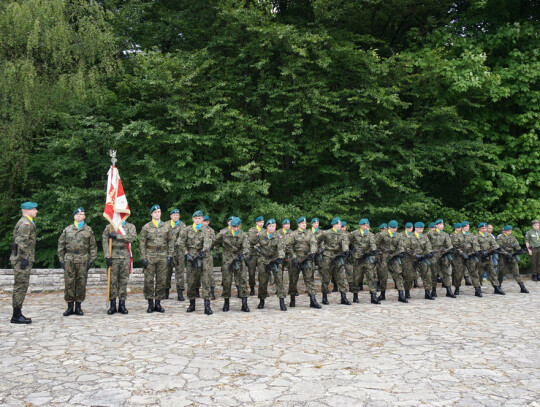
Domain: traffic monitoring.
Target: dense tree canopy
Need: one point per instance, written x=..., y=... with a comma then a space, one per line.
x=400, y=109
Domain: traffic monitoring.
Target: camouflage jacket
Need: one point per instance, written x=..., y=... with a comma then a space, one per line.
x=24, y=237
x=333, y=242
x=300, y=243
x=509, y=244
x=271, y=247
x=192, y=241
x=77, y=245
x=390, y=245
x=232, y=244
x=469, y=243
x=119, y=245
x=486, y=242
x=156, y=242
x=252, y=232
x=457, y=240
x=362, y=243
x=420, y=244
x=440, y=241
x=175, y=230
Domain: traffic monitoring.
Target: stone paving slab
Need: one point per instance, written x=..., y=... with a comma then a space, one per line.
x=462, y=352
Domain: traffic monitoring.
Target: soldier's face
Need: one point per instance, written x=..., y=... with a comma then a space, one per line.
x=384, y=230
x=206, y=222
x=286, y=226
x=365, y=226
x=483, y=229
x=175, y=217
x=315, y=225
x=409, y=229
x=490, y=228
x=465, y=228
x=393, y=230
x=457, y=229
x=536, y=226
x=344, y=228
x=260, y=223
x=156, y=215
x=302, y=225
x=440, y=226
x=337, y=226
x=235, y=228
x=271, y=228
x=79, y=217
x=419, y=230
x=507, y=232
x=197, y=220
x=30, y=212
x=431, y=229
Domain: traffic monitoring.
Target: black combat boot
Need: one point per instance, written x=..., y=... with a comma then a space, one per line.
x=181, y=295
x=245, y=307
x=534, y=277
x=456, y=291
x=468, y=281
x=407, y=293
x=282, y=305
x=382, y=297
x=428, y=295
x=207, y=309
x=478, y=292
x=361, y=287
x=344, y=299
x=213, y=296
x=157, y=306
x=122, y=307
x=252, y=291
x=378, y=286
x=226, y=305
x=238, y=292
x=191, y=307
x=261, y=303
x=350, y=287
x=166, y=296
x=523, y=289
x=112, y=309
x=401, y=296
x=374, y=299
x=325, y=299
x=293, y=301
x=313, y=302
x=415, y=283
x=497, y=290
x=434, y=292
x=449, y=292
x=69, y=310
x=335, y=289
x=197, y=293
x=150, y=308
x=78, y=310
x=355, y=298
x=19, y=318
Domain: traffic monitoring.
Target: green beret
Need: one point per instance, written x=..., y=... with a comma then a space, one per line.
x=29, y=205
x=432, y=225
x=363, y=221
x=508, y=227
x=383, y=226
x=408, y=225
x=457, y=225
x=285, y=221
x=482, y=224
x=79, y=209
x=259, y=218
x=153, y=208
x=313, y=220
x=236, y=222
x=343, y=223
x=270, y=222
x=465, y=223
x=175, y=211
x=301, y=219
x=438, y=221
x=197, y=213
x=335, y=220
x=230, y=218
x=206, y=217
x=392, y=224
x=418, y=225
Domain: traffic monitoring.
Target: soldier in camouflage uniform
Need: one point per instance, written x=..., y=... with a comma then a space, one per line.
x=301, y=247
x=316, y=262
x=77, y=251
x=363, y=242
x=209, y=260
x=156, y=248
x=488, y=245
x=119, y=261
x=335, y=244
x=469, y=248
x=22, y=258
x=532, y=241
x=272, y=247
x=177, y=264
x=458, y=265
x=421, y=248
x=441, y=244
x=509, y=262
x=235, y=244
x=407, y=261
x=196, y=243
x=380, y=268
x=349, y=268
x=390, y=245
x=254, y=253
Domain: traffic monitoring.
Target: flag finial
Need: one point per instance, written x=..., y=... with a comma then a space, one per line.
x=112, y=153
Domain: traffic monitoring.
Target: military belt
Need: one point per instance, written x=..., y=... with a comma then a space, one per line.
x=158, y=248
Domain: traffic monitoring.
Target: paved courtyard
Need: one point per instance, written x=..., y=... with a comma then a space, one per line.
x=464, y=352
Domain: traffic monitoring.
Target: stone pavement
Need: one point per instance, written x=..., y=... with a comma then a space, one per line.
x=466, y=351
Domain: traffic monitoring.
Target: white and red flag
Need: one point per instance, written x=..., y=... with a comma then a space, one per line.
x=116, y=206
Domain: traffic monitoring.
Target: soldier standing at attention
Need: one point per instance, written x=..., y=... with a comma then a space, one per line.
x=22, y=257
x=470, y=247
x=335, y=244
x=119, y=262
x=363, y=242
x=421, y=246
x=177, y=264
x=349, y=269
x=315, y=230
x=209, y=259
x=379, y=266
x=156, y=248
x=458, y=264
x=441, y=243
x=532, y=241
x=510, y=246
x=391, y=246
x=254, y=253
x=77, y=251
x=487, y=244
x=407, y=265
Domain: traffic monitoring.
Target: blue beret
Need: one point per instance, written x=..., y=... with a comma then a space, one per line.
x=313, y=220
x=432, y=225
x=230, y=218
x=175, y=211
x=335, y=220
x=301, y=219
x=153, y=208
x=392, y=224
x=270, y=222
x=29, y=205
x=363, y=221
x=343, y=223
x=465, y=223
x=259, y=218
x=383, y=226
x=80, y=209
x=408, y=225
x=285, y=221
x=206, y=217
x=236, y=222
x=197, y=213
x=508, y=227
x=482, y=224
x=438, y=221
x=457, y=225
x=419, y=225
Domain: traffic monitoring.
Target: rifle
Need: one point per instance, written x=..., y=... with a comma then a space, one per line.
x=14, y=248
x=368, y=255
x=424, y=259
x=235, y=264
x=395, y=257
x=520, y=251
x=306, y=262
x=196, y=261
x=318, y=256
x=272, y=268
x=339, y=258
x=447, y=253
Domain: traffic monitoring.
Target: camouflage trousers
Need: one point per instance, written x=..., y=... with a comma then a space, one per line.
x=409, y=273
x=178, y=268
x=395, y=270
x=119, y=279
x=331, y=269
x=472, y=268
x=442, y=268
x=155, y=276
x=425, y=273
x=21, y=280
x=535, y=260
x=75, y=277
x=349, y=272
x=506, y=266
x=252, y=271
x=307, y=274
x=240, y=277
x=487, y=267
x=264, y=277
x=361, y=269
x=458, y=271
x=197, y=277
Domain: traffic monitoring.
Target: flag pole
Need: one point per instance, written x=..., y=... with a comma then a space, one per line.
x=112, y=153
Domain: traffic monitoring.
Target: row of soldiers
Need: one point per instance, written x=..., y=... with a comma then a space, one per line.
x=264, y=252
